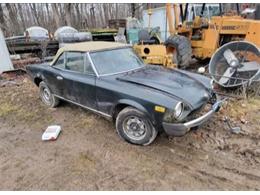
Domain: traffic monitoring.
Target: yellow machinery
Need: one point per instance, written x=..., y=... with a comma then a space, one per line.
x=157, y=53
x=204, y=35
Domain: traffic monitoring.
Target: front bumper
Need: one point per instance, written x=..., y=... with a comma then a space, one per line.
x=179, y=129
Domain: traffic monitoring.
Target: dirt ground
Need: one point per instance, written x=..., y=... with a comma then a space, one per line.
x=89, y=155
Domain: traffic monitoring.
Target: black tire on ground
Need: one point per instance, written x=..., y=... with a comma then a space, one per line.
x=46, y=95
x=183, y=49
x=144, y=133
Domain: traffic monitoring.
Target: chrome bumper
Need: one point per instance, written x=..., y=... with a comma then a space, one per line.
x=179, y=129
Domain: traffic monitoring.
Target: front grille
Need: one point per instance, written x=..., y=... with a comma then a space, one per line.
x=213, y=98
x=199, y=112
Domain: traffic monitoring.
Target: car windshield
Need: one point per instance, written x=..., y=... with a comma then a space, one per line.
x=116, y=61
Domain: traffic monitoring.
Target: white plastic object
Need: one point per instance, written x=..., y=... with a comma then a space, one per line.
x=201, y=70
x=51, y=133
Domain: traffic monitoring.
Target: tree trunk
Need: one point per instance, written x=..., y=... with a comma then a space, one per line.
x=87, y=21
x=48, y=17
x=56, y=15
x=105, y=10
x=92, y=15
x=68, y=13
x=35, y=13
x=47, y=10
x=15, y=28
x=2, y=20
x=42, y=14
x=78, y=16
x=117, y=10
x=20, y=11
x=61, y=13
x=110, y=8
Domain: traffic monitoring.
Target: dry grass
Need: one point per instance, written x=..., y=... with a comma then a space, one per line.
x=243, y=109
x=7, y=108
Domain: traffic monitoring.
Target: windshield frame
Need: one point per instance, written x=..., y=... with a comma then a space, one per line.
x=109, y=74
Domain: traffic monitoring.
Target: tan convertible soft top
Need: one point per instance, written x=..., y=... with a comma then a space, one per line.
x=88, y=47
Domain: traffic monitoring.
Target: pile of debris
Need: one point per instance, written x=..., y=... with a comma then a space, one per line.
x=41, y=42
x=13, y=77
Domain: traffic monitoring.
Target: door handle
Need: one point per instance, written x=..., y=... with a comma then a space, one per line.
x=59, y=78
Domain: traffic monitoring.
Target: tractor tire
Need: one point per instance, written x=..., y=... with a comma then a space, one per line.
x=183, y=50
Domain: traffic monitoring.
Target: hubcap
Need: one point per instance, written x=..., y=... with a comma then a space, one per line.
x=134, y=128
x=46, y=94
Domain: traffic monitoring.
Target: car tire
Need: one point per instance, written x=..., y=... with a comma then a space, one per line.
x=46, y=95
x=135, y=127
x=183, y=49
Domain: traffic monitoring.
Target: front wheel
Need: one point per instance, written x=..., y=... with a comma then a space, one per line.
x=135, y=127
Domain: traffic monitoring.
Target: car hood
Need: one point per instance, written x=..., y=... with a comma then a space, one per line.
x=179, y=84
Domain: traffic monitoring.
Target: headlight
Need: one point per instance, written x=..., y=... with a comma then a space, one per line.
x=172, y=115
x=178, y=110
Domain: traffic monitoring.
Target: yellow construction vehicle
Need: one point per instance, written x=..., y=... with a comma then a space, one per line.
x=201, y=37
x=151, y=48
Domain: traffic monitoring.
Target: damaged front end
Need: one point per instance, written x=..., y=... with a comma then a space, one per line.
x=190, y=119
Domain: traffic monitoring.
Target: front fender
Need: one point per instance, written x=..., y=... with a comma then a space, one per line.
x=137, y=106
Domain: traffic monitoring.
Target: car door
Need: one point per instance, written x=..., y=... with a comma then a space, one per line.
x=54, y=78
x=79, y=80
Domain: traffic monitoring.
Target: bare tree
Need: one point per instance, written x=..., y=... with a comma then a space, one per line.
x=2, y=19
x=35, y=13
x=20, y=11
x=106, y=14
x=78, y=15
x=56, y=14
x=111, y=12
x=117, y=10
x=47, y=10
x=61, y=13
x=13, y=19
x=68, y=14
x=17, y=17
x=92, y=15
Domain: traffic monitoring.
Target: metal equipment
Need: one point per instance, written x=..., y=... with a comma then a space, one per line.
x=235, y=64
x=200, y=36
x=207, y=35
x=235, y=130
